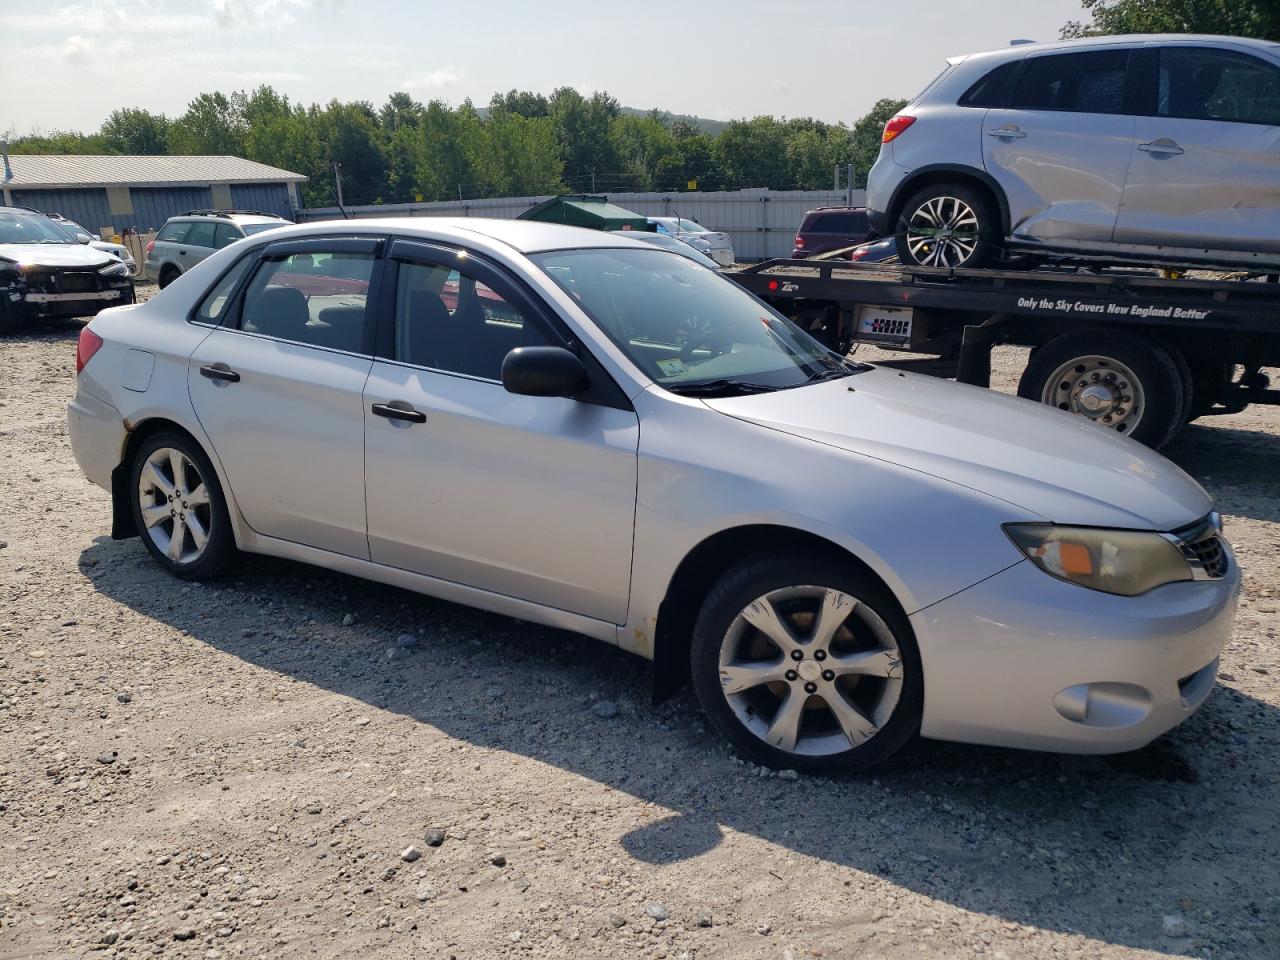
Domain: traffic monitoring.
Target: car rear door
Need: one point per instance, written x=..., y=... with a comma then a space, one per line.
x=278, y=385
x=1060, y=148
x=1205, y=171
x=530, y=497
x=197, y=244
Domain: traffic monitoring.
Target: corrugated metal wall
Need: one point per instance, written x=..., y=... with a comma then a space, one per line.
x=267, y=197
x=89, y=208
x=761, y=223
x=152, y=206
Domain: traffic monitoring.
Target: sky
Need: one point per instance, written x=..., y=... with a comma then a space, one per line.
x=66, y=66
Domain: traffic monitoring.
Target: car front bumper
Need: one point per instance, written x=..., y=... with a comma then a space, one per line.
x=97, y=434
x=1025, y=660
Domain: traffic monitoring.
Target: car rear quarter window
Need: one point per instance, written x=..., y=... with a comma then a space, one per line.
x=994, y=89
x=1090, y=82
x=175, y=232
x=318, y=299
x=200, y=235
x=213, y=307
x=1203, y=83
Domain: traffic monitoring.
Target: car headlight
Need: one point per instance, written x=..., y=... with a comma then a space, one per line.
x=1124, y=562
x=118, y=269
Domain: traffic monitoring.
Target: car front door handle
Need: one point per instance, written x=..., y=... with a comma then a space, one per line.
x=219, y=371
x=1163, y=145
x=1007, y=133
x=399, y=410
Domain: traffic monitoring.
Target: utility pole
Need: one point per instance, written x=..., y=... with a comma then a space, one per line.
x=337, y=180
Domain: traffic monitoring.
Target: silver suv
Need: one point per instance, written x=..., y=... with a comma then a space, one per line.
x=186, y=240
x=1156, y=149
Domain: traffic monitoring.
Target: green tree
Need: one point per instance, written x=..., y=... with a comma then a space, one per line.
x=59, y=141
x=753, y=153
x=867, y=135
x=582, y=133
x=1241, y=18
x=348, y=134
x=520, y=102
x=644, y=147
x=213, y=124
x=400, y=110
x=135, y=131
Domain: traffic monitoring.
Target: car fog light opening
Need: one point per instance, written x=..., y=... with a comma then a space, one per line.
x=1122, y=562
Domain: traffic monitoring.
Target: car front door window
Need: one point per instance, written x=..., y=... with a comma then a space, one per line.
x=1201, y=83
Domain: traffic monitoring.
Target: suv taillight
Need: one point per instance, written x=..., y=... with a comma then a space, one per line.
x=799, y=242
x=86, y=347
x=896, y=127
x=151, y=245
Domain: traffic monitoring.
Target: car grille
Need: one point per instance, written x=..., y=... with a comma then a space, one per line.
x=1203, y=547
x=78, y=282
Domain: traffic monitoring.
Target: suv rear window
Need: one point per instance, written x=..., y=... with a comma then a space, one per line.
x=1075, y=82
x=173, y=231
x=847, y=222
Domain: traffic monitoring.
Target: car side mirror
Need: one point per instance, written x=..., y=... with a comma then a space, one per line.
x=84, y=238
x=543, y=372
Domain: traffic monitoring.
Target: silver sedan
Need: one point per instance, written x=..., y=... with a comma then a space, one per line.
x=583, y=431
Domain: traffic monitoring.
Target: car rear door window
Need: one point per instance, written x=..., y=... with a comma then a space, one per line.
x=450, y=320
x=200, y=235
x=314, y=298
x=1202, y=83
x=225, y=235
x=1092, y=82
x=175, y=232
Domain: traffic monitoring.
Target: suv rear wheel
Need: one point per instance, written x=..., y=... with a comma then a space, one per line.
x=948, y=225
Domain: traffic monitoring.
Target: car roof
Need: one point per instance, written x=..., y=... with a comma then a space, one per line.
x=524, y=236
x=1019, y=50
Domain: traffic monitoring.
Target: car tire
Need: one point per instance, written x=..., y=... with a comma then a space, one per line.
x=970, y=221
x=171, y=471
x=1120, y=380
x=817, y=706
x=167, y=276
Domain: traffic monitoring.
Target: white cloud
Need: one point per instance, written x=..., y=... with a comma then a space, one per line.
x=258, y=13
x=435, y=80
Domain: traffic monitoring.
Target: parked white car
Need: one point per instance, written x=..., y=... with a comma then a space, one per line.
x=584, y=431
x=81, y=235
x=715, y=245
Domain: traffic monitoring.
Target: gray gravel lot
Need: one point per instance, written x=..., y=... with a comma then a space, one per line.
x=296, y=763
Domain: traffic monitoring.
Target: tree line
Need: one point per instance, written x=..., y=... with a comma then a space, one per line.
x=521, y=144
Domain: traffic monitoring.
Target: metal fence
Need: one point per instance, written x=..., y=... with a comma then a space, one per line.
x=761, y=223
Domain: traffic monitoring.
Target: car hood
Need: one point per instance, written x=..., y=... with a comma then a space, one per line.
x=54, y=254
x=118, y=250
x=1054, y=464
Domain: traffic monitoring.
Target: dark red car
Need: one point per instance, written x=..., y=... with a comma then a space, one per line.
x=830, y=228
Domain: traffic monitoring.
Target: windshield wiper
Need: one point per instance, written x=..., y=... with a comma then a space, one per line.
x=718, y=388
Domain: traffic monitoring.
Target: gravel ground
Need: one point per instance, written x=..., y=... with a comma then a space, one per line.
x=295, y=763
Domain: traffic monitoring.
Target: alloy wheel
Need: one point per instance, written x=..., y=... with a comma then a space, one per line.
x=943, y=232
x=174, y=502
x=1100, y=388
x=810, y=670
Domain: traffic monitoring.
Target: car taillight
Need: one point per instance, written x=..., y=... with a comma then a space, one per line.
x=86, y=347
x=896, y=127
x=151, y=245
x=799, y=242
x=857, y=255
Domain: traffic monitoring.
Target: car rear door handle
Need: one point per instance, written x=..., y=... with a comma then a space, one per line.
x=219, y=371
x=399, y=410
x=1007, y=133
x=1163, y=145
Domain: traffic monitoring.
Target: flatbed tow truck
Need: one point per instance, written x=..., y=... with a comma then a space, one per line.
x=1140, y=351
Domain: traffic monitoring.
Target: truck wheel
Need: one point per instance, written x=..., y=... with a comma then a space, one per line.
x=948, y=225
x=1130, y=384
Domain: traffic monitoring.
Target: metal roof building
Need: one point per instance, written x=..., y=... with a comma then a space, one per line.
x=143, y=192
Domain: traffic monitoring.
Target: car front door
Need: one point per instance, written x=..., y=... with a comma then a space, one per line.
x=278, y=384
x=530, y=497
x=1060, y=149
x=1206, y=163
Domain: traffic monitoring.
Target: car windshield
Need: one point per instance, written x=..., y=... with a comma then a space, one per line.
x=28, y=228
x=688, y=226
x=667, y=242
x=689, y=329
x=251, y=228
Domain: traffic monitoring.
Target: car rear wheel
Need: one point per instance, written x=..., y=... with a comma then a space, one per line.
x=807, y=663
x=948, y=225
x=1122, y=381
x=179, y=509
x=167, y=276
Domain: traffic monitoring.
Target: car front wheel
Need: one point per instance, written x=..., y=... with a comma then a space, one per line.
x=948, y=225
x=807, y=663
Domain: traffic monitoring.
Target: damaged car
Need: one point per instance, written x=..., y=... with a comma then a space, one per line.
x=45, y=272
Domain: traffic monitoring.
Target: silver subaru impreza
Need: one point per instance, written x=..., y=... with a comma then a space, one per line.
x=581, y=430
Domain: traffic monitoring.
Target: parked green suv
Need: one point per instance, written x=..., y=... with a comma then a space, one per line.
x=186, y=240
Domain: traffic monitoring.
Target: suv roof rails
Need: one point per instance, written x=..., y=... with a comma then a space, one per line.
x=229, y=213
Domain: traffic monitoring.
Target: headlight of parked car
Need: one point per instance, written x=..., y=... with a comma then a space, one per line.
x=114, y=270
x=1124, y=562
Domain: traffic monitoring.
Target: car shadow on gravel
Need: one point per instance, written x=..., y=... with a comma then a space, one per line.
x=1102, y=847
x=1237, y=467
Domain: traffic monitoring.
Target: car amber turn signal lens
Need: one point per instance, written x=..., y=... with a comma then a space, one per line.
x=896, y=127
x=1123, y=562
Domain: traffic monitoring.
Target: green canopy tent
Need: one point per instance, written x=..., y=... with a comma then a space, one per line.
x=581, y=210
